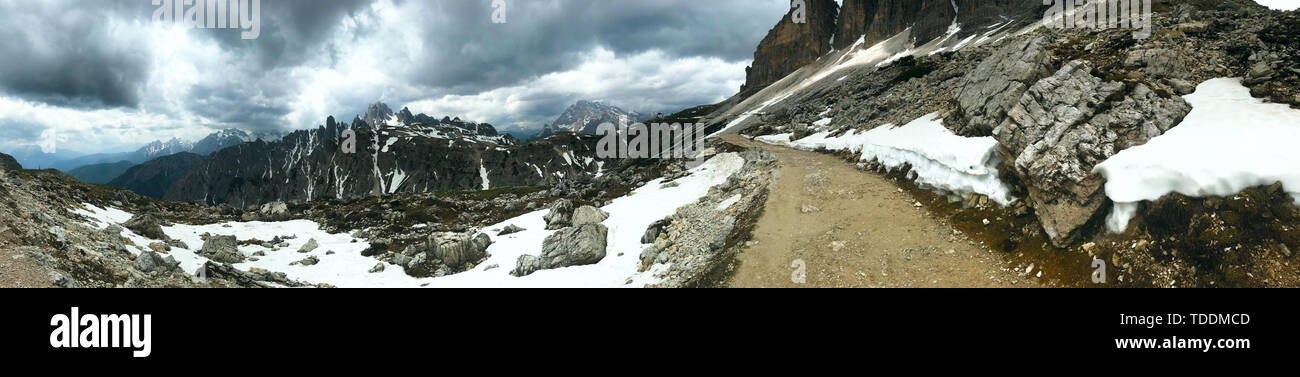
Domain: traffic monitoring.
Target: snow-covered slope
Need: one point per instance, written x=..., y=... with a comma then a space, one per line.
x=1229, y=142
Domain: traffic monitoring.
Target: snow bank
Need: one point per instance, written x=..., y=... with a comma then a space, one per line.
x=629, y=218
x=1280, y=4
x=941, y=160
x=1228, y=143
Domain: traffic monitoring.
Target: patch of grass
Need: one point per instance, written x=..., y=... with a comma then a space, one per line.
x=490, y=194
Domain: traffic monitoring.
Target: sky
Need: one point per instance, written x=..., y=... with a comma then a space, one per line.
x=105, y=77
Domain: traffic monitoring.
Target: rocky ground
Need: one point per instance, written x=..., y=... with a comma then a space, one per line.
x=46, y=243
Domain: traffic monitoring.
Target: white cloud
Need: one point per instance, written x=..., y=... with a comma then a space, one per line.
x=199, y=81
x=646, y=81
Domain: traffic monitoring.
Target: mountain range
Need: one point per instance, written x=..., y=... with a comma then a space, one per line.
x=583, y=118
x=396, y=152
x=213, y=142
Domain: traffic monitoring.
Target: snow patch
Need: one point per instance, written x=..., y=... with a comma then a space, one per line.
x=1229, y=142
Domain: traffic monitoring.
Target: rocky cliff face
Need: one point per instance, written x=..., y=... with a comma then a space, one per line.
x=421, y=154
x=790, y=45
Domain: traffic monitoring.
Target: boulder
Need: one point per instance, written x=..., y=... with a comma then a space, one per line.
x=222, y=249
x=652, y=232
x=589, y=215
x=561, y=215
x=309, y=247
x=447, y=253
x=274, y=211
x=150, y=261
x=457, y=250
x=112, y=236
x=146, y=225
x=308, y=261
x=510, y=229
x=575, y=246
x=1066, y=124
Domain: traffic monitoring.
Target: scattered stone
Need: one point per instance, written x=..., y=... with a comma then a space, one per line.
x=377, y=268
x=309, y=261
x=309, y=247
x=510, y=229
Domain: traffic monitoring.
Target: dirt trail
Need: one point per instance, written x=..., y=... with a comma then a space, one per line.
x=857, y=229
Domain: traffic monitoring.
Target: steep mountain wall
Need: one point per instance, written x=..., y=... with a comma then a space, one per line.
x=791, y=45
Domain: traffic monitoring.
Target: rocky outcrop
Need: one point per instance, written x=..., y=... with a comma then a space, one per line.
x=8, y=162
x=574, y=246
x=1066, y=124
x=791, y=45
x=222, y=249
x=997, y=83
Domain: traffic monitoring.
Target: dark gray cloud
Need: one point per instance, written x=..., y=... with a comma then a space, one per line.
x=65, y=54
x=322, y=57
x=470, y=53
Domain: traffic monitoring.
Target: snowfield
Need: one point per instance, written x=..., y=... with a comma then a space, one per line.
x=629, y=218
x=1229, y=142
x=940, y=160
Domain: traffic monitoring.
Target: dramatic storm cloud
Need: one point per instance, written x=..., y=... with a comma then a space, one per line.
x=106, y=77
